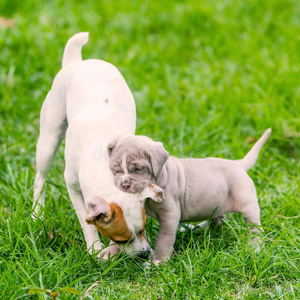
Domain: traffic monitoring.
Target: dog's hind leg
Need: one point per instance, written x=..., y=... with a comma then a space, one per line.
x=53, y=126
x=251, y=214
x=248, y=205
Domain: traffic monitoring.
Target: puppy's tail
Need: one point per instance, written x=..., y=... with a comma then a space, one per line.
x=73, y=47
x=249, y=160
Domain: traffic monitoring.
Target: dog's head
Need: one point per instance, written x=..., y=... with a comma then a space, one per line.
x=124, y=222
x=136, y=161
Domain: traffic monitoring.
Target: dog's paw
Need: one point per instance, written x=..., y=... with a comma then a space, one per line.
x=147, y=264
x=159, y=194
x=109, y=252
x=153, y=192
x=183, y=227
x=156, y=262
x=35, y=216
x=38, y=212
x=257, y=244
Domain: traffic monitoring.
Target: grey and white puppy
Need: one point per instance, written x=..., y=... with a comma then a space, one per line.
x=195, y=189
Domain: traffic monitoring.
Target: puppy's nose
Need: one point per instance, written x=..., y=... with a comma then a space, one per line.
x=143, y=254
x=126, y=185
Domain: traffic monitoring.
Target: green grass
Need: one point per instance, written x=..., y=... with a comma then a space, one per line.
x=208, y=78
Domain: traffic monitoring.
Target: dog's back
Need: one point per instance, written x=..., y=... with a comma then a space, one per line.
x=93, y=86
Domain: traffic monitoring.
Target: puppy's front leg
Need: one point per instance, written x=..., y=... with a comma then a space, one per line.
x=168, y=224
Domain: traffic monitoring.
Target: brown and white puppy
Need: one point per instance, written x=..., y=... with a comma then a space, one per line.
x=89, y=104
x=195, y=189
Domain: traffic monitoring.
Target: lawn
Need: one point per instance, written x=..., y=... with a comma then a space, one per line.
x=208, y=78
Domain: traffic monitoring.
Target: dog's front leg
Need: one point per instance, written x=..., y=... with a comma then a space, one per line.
x=168, y=224
x=90, y=232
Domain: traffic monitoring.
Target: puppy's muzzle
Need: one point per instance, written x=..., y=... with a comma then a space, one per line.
x=144, y=254
x=126, y=184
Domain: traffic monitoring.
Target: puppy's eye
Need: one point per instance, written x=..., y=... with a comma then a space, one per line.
x=118, y=171
x=138, y=169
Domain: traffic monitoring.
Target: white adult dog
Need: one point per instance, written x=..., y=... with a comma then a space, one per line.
x=90, y=104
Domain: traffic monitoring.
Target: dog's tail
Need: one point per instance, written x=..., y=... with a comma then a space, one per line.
x=249, y=160
x=73, y=47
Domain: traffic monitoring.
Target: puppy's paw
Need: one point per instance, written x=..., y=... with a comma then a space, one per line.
x=157, y=262
x=35, y=217
x=37, y=214
x=183, y=227
x=153, y=192
x=257, y=243
x=159, y=193
x=147, y=264
x=109, y=253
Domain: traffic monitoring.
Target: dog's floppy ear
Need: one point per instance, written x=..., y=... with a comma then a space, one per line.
x=111, y=146
x=153, y=192
x=158, y=157
x=99, y=210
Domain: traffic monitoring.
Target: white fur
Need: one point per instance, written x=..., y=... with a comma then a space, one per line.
x=90, y=104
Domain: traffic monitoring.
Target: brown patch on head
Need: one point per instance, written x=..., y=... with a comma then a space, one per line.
x=113, y=226
x=141, y=235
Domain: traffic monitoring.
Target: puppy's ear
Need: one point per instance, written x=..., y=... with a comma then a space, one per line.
x=111, y=146
x=99, y=210
x=153, y=192
x=158, y=157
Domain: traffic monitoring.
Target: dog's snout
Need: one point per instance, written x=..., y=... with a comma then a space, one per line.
x=126, y=184
x=143, y=254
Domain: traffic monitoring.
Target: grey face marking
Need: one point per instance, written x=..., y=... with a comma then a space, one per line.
x=125, y=179
x=124, y=165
